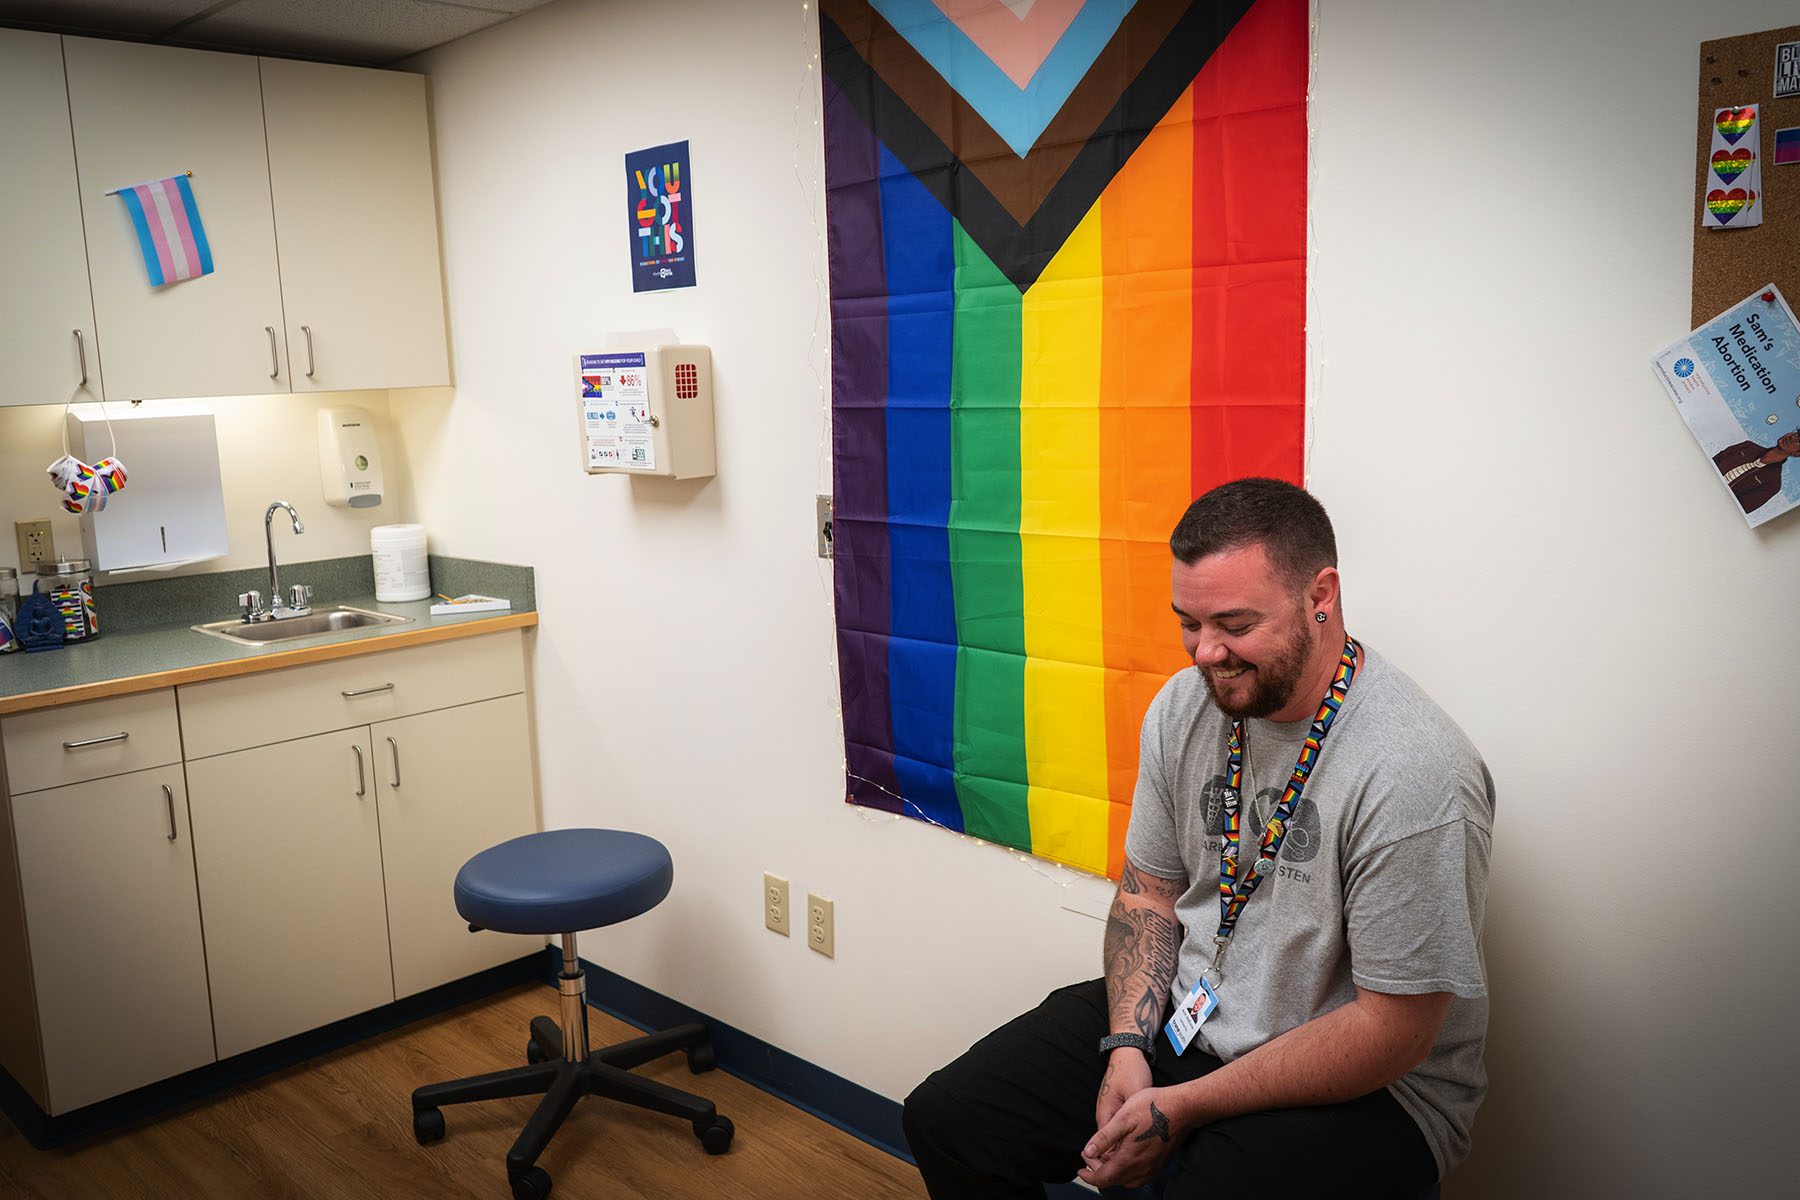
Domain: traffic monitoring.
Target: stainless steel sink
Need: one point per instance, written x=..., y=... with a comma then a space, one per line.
x=323, y=620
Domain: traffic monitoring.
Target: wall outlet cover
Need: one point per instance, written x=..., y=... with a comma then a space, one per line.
x=821, y=924
x=775, y=903
x=35, y=544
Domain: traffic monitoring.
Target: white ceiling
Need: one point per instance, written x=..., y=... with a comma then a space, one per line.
x=365, y=32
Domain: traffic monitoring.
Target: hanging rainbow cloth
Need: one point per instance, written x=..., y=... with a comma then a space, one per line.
x=169, y=232
x=1067, y=244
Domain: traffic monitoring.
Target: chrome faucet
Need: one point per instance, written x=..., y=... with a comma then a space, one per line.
x=300, y=602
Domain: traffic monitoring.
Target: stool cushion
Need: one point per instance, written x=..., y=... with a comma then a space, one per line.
x=563, y=880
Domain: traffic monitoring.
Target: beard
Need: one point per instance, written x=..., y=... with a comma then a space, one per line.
x=1272, y=681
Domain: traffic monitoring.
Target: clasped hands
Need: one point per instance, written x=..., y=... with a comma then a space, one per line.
x=1134, y=1133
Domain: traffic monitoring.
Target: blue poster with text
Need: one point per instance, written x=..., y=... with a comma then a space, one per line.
x=660, y=213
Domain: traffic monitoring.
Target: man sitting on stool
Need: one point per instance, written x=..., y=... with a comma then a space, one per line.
x=1309, y=836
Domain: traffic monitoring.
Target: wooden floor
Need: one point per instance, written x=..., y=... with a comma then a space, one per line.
x=340, y=1126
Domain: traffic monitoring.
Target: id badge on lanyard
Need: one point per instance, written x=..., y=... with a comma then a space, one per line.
x=1190, y=1013
x=1202, y=1000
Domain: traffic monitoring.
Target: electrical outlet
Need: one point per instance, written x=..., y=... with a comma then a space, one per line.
x=775, y=903
x=821, y=924
x=35, y=545
x=822, y=525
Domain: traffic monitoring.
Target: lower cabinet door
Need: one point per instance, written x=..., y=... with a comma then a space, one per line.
x=288, y=848
x=107, y=872
x=451, y=784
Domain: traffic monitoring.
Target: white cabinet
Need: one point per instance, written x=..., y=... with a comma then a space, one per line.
x=116, y=953
x=46, y=319
x=288, y=850
x=148, y=112
x=329, y=857
x=330, y=166
x=328, y=822
x=450, y=784
x=350, y=170
x=102, y=970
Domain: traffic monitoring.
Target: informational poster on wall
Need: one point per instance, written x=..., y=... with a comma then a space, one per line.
x=660, y=214
x=615, y=412
x=1736, y=382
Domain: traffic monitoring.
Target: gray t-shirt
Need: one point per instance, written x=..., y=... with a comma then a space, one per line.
x=1381, y=882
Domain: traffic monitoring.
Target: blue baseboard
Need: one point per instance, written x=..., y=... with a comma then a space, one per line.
x=45, y=1131
x=835, y=1100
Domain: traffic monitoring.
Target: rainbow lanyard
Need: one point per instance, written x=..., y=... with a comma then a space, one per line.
x=1233, y=892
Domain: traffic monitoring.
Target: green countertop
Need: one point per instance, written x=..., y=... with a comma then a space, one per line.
x=165, y=654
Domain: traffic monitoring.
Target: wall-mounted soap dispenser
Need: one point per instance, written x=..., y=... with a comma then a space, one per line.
x=349, y=458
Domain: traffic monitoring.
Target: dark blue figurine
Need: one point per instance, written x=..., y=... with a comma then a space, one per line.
x=40, y=625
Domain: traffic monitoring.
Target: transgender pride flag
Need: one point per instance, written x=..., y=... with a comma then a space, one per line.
x=168, y=229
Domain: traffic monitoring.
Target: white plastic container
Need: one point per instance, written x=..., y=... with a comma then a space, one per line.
x=401, y=572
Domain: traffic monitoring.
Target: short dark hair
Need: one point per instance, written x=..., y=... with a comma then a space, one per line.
x=1286, y=521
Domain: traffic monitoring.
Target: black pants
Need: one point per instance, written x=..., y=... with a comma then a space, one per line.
x=1014, y=1112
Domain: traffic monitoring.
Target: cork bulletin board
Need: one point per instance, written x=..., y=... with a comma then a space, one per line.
x=1729, y=264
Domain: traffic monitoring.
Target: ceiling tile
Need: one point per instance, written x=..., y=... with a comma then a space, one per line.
x=137, y=18
x=353, y=31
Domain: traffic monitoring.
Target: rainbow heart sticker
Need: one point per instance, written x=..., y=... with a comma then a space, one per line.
x=1725, y=205
x=1734, y=123
x=1729, y=164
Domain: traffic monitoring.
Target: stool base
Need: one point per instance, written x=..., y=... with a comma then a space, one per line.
x=561, y=1081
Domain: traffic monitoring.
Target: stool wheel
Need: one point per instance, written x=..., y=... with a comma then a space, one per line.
x=534, y=1053
x=701, y=1057
x=428, y=1126
x=715, y=1135
x=534, y=1184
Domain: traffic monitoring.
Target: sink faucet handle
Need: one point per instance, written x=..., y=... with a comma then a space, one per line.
x=252, y=604
x=301, y=594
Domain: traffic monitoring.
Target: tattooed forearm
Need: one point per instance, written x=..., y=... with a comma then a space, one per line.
x=1148, y=1013
x=1142, y=942
x=1133, y=882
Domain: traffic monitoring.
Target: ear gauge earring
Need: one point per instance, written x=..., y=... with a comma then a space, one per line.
x=1319, y=617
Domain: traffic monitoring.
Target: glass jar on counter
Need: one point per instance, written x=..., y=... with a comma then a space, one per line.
x=70, y=586
x=9, y=609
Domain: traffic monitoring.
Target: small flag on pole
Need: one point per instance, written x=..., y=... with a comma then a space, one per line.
x=168, y=228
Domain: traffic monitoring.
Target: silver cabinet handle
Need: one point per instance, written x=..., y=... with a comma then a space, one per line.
x=386, y=687
x=395, y=747
x=100, y=741
x=81, y=353
x=310, y=366
x=274, y=362
x=362, y=785
x=169, y=799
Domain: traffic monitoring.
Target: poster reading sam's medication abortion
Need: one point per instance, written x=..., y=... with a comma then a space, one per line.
x=1736, y=382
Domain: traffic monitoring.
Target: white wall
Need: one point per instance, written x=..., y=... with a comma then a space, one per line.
x=1526, y=526
x=268, y=451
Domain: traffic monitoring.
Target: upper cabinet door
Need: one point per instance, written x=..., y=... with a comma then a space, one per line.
x=355, y=214
x=46, y=321
x=142, y=113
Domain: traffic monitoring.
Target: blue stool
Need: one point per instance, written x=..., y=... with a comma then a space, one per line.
x=558, y=882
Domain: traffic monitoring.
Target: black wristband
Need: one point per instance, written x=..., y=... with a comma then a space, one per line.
x=1135, y=1041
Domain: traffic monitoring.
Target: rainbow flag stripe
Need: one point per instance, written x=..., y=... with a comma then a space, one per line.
x=1035, y=368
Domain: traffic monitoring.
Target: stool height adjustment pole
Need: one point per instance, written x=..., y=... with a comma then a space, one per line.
x=572, y=983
